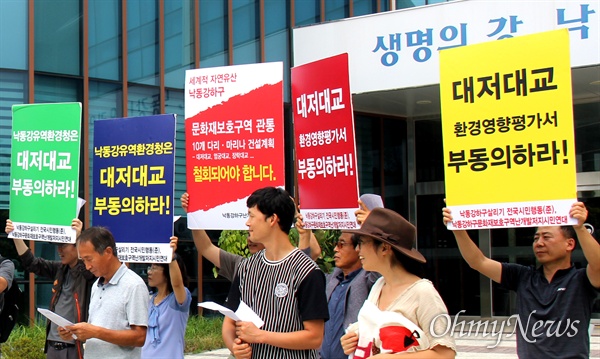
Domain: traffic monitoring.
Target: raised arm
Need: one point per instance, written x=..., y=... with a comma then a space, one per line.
x=315, y=248
x=77, y=225
x=204, y=245
x=306, y=238
x=589, y=245
x=472, y=254
x=176, y=277
x=19, y=243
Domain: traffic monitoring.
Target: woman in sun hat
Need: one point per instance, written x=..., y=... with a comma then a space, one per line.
x=402, y=306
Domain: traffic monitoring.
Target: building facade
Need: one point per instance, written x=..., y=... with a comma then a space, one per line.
x=125, y=58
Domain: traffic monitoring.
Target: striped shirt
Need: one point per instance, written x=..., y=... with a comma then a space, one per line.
x=284, y=294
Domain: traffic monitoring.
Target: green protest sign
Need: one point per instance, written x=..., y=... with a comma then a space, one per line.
x=44, y=172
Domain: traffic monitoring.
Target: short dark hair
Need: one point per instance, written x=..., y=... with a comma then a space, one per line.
x=100, y=237
x=181, y=264
x=569, y=232
x=355, y=239
x=272, y=200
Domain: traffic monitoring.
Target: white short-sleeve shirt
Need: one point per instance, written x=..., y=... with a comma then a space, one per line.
x=117, y=305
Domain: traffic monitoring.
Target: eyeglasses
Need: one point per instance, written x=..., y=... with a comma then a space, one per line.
x=153, y=268
x=342, y=244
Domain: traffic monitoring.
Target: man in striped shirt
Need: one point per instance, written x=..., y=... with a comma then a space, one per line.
x=280, y=283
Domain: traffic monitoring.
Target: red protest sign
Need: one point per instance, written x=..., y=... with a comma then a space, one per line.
x=234, y=140
x=325, y=144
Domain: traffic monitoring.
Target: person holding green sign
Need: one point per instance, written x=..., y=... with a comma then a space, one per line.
x=554, y=301
x=70, y=290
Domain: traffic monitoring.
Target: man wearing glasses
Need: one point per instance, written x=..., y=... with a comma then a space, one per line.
x=347, y=287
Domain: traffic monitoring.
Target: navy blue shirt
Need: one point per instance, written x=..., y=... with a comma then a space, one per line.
x=554, y=317
x=334, y=327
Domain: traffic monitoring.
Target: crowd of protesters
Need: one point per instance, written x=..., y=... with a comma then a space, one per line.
x=377, y=302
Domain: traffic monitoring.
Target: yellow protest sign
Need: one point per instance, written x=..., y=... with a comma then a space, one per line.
x=507, y=123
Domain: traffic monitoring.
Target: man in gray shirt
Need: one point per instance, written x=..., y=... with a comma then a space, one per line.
x=118, y=313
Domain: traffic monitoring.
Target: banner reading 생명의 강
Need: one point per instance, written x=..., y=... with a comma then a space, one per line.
x=133, y=181
x=234, y=140
x=325, y=146
x=507, y=122
x=44, y=171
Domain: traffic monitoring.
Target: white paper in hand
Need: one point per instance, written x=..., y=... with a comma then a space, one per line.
x=56, y=319
x=248, y=315
x=244, y=313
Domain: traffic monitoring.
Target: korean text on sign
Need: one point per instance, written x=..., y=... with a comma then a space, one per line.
x=326, y=101
x=326, y=166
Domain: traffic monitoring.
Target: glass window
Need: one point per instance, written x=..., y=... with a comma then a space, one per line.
x=336, y=9
x=364, y=7
x=385, y=5
x=179, y=41
x=429, y=151
x=174, y=103
x=460, y=291
x=49, y=89
x=213, y=33
x=13, y=91
x=376, y=139
x=277, y=15
x=368, y=153
x=403, y=4
x=105, y=39
x=246, y=32
x=105, y=102
x=307, y=12
x=58, y=36
x=142, y=42
x=395, y=170
x=276, y=39
x=587, y=135
x=13, y=34
x=143, y=101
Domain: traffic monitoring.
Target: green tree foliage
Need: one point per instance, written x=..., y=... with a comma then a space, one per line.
x=327, y=239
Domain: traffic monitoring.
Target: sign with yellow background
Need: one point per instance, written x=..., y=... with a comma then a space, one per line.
x=507, y=123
